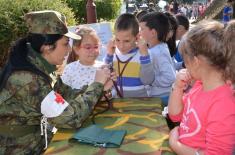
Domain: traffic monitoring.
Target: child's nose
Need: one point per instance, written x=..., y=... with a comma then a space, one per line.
x=121, y=45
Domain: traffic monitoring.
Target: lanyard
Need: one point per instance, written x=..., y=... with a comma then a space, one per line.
x=120, y=72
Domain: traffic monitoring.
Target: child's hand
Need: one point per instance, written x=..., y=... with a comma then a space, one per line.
x=183, y=79
x=102, y=75
x=142, y=44
x=111, y=47
x=174, y=136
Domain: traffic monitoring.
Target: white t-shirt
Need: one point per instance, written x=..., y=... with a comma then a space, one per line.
x=77, y=75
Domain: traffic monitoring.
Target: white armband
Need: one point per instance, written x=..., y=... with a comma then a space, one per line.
x=53, y=105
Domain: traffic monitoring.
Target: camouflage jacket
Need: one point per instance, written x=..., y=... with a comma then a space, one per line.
x=20, y=102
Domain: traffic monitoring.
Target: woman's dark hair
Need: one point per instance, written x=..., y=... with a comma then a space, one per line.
x=171, y=42
x=37, y=40
x=159, y=22
x=18, y=57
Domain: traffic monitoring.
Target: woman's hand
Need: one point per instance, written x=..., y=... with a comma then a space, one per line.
x=109, y=84
x=102, y=75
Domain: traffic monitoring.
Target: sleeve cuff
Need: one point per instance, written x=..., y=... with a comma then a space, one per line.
x=175, y=118
x=145, y=59
x=108, y=58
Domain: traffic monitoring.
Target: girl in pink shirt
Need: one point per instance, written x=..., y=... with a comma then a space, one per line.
x=207, y=111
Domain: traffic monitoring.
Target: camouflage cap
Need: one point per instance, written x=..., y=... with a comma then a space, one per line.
x=48, y=22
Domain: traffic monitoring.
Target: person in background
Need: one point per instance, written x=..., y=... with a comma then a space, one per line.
x=200, y=9
x=195, y=10
x=183, y=27
x=140, y=14
x=154, y=28
x=151, y=7
x=175, y=6
x=33, y=100
x=183, y=10
x=81, y=64
x=171, y=43
x=171, y=10
x=130, y=58
x=228, y=11
x=166, y=8
x=171, y=37
x=207, y=110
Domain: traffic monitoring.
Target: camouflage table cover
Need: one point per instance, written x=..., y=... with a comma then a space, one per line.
x=147, y=131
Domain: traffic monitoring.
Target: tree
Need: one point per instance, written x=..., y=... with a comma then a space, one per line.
x=12, y=24
x=105, y=9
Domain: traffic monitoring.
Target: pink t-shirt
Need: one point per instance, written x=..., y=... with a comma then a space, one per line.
x=208, y=120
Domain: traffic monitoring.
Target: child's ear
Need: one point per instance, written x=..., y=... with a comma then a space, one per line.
x=196, y=61
x=46, y=49
x=154, y=32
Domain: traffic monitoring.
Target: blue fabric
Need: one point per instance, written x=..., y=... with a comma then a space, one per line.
x=178, y=57
x=108, y=59
x=145, y=59
x=226, y=11
x=134, y=50
x=130, y=81
x=165, y=100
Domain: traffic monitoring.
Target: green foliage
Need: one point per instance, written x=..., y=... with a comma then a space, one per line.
x=12, y=25
x=105, y=9
x=79, y=9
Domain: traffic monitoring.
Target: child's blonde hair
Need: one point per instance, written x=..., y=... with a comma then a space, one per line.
x=207, y=39
x=82, y=31
x=229, y=40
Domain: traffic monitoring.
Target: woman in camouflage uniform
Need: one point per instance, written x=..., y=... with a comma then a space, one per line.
x=30, y=100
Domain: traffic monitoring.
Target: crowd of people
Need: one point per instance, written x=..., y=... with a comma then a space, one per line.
x=153, y=54
x=192, y=11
